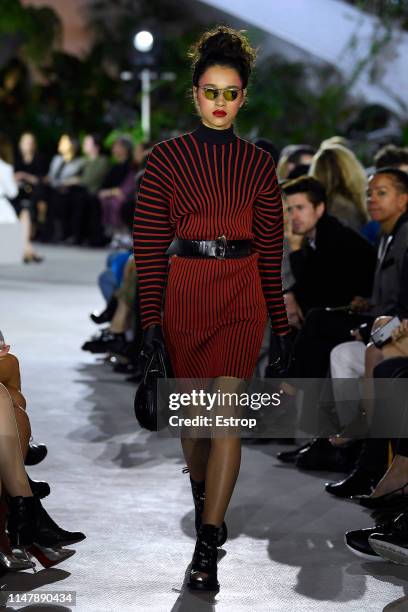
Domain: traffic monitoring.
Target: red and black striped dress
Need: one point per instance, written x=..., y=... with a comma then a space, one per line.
x=202, y=185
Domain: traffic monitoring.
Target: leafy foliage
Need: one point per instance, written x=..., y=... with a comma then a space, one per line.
x=288, y=102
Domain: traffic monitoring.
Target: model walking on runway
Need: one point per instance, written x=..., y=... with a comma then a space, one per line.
x=216, y=197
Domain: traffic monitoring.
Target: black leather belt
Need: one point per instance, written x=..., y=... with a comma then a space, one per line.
x=220, y=248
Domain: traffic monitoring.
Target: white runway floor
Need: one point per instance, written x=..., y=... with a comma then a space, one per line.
x=124, y=488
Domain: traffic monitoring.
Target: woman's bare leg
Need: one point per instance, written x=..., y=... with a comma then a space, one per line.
x=196, y=452
x=222, y=472
x=23, y=428
x=121, y=319
x=396, y=476
x=224, y=458
x=10, y=371
x=25, y=219
x=12, y=471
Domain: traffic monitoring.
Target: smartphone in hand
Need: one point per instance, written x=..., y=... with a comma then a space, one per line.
x=382, y=335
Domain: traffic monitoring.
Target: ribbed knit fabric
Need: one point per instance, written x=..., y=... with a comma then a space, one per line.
x=202, y=185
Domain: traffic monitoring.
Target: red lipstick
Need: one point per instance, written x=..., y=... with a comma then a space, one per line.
x=219, y=113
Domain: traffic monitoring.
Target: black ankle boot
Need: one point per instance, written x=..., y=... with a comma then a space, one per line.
x=203, y=573
x=107, y=314
x=198, y=490
x=22, y=520
x=51, y=534
x=28, y=531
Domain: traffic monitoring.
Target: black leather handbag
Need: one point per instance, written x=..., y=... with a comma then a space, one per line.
x=146, y=398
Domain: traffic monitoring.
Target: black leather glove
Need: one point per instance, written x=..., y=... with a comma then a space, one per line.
x=285, y=344
x=282, y=354
x=152, y=339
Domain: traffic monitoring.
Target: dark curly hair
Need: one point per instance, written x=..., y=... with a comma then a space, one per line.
x=222, y=46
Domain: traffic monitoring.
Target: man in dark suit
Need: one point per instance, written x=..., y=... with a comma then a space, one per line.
x=334, y=264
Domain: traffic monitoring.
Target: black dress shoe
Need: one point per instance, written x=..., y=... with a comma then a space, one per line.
x=321, y=455
x=35, y=454
x=106, y=315
x=358, y=541
x=392, y=543
x=39, y=488
x=125, y=368
x=359, y=482
x=291, y=456
x=107, y=342
x=392, y=499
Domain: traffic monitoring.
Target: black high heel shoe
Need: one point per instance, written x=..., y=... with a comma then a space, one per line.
x=384, y=501
x=203, y=573
x=39, y=488
x=23, y=528
x=198, y=490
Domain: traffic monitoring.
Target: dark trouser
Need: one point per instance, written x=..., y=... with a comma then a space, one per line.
x=86, y=217
x=27, y=198
x=58, y=223
x=321, y=332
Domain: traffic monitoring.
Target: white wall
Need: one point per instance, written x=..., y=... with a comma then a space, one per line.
x=324, y=28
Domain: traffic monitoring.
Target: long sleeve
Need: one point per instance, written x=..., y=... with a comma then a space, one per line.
x=8, y=185
x=153, y=234
x=268, y=242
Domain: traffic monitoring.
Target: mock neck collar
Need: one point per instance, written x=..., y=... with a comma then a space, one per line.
x=213, y=136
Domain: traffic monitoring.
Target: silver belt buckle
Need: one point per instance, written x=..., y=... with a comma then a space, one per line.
x=221, y=248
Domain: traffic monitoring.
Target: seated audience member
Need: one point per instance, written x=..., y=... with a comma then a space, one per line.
x=371, y=463
x=8, y=185
x=63, y=174
x=29, y=170
x=293, y=156
x=391, y=156
x=11, y=380
x=267, y=145
x=388, y=538
x=344, y=179
x=25, y=512
x=118, y=188
x=109, y=281
x=86, y=225
x=322, y=330
x=113, y=338
x=335, y=140
x=387, y=202
x=333, y=265
x=29, y=526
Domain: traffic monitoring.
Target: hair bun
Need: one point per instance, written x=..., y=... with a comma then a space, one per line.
x=223, y=45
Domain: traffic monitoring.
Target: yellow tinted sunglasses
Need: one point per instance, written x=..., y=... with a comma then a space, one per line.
x=211, y=93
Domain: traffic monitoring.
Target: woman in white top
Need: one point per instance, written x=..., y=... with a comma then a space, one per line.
x=9, y=191
x=8, y=185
